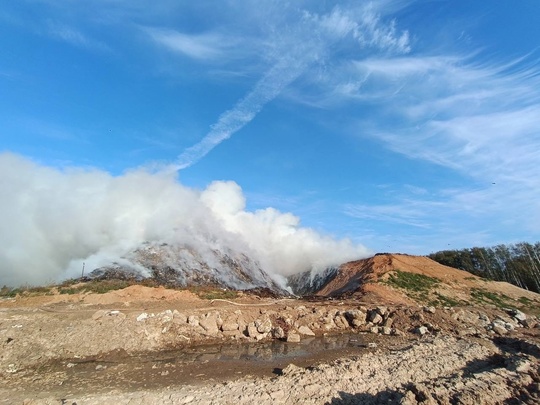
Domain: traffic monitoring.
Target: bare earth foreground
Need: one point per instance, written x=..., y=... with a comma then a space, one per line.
x=379, y=344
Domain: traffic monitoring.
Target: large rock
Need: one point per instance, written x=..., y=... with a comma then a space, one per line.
x=193, y=320
x=388, y=322
x=355, y=317
x=278, y=333
x=375, y=318
x=430, y=309
x=529, y=323
x=501, y=326
x=263, y=325
x=229, y=326
x=341, y=322
x=499, y=329
x=293, y=338
x=179, y=317
x=166, y=316
x=382, y=311
x=328, y=322
x=291, y=369
x=483, y=319
x=474, y=318
x=304, y=330
x=517, y=315
x=140, y=318
x=209, y=322
x=252, y=330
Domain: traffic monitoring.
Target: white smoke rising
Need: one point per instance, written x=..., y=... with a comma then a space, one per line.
x=51, y=221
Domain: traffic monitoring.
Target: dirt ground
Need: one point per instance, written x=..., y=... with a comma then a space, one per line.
x=152, y=345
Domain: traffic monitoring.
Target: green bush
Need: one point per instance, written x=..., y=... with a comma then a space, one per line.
x=7, y=292
x=415, y=286
x=412, y=281
x=486, y=297
x=96, y=286
x=444, y=301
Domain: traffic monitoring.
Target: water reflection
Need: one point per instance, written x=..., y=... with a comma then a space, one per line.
x=269, y=351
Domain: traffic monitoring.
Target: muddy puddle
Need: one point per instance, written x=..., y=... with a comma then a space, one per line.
x=198, y=364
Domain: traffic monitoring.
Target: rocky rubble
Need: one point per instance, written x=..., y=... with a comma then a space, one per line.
x=441, y=370
x=189, y=265
x=138, y=331
x=456, y=345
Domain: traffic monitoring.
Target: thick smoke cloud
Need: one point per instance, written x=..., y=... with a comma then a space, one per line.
x=54, y=220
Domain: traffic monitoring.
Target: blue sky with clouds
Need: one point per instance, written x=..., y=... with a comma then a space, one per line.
x=408, y=126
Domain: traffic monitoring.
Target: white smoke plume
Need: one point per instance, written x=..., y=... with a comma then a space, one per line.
x=51, y=221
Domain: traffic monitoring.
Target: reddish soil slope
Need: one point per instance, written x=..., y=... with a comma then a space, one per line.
x=367, y=278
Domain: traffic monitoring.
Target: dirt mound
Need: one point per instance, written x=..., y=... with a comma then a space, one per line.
x=134, y=295
x=399, y=278
x=141, y=293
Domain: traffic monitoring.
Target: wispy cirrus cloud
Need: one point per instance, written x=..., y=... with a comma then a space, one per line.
x=205, y=46
x=481, y=120
x=457, y=217
x=410, y=213
x=293, y=51
x=74, y=37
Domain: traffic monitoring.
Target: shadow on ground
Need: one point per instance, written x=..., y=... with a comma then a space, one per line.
x=514, y=346
x=384, y=397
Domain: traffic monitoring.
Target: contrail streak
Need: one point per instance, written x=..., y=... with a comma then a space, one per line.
x=231, y=121
x=303, y=45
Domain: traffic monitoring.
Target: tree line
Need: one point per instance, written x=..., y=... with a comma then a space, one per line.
x=518, y=264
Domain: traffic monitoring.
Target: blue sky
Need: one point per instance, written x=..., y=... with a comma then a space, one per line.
x=405, y=126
